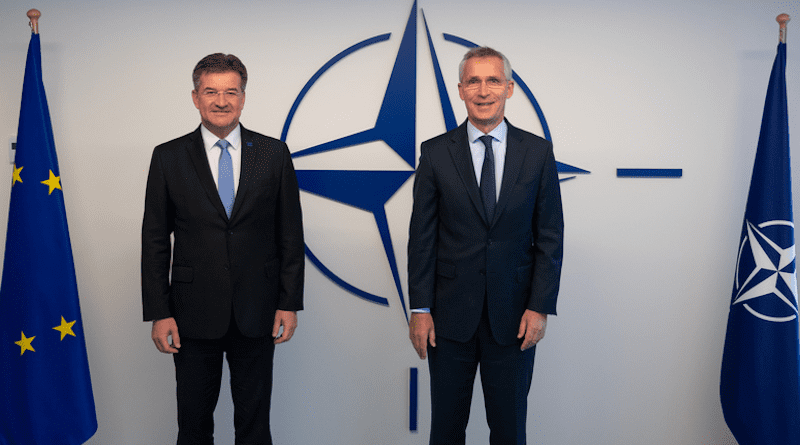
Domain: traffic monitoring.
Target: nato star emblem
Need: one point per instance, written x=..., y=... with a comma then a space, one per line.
x=766, y=284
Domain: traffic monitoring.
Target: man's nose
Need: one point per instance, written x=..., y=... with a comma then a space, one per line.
x=221, y=100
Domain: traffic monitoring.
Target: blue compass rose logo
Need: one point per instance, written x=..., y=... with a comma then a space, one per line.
x=766, y=280
x=370, y=190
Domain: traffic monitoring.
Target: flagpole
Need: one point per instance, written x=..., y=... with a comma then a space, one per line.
x=782, y=19
x=34, y=15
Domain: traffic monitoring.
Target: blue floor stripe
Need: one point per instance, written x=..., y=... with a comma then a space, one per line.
x=412, y=404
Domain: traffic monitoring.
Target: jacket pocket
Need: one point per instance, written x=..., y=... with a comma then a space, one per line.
x=524, y=273
x=272, y=268
x=446, y=270
x=182, y=274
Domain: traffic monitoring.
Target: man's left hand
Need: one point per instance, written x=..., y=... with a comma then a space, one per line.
x=531, y=328
x=287, y=319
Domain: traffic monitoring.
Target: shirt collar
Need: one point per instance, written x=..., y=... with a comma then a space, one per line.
x=498, y=133
x=234, y=138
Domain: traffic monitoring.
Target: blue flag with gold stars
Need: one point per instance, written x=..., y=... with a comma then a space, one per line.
x=45, y=386
x=760, y=382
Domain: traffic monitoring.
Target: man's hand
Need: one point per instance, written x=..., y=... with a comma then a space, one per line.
x=162, y=329
x=420, y=331
x=287, y=319
x=531, y=328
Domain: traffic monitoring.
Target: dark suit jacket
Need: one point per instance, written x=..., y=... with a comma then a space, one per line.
x=457, y=258
x=251, y=264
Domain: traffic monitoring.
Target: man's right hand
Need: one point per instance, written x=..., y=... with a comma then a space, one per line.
x=420, y=330
x=162, y=330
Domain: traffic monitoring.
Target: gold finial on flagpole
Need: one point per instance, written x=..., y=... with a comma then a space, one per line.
x=783, y=19
x=34, y=15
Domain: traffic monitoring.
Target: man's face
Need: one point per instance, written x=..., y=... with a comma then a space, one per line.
x=220, y=99
x=484, y=90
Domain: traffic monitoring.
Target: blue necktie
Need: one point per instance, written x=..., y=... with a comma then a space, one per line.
x=488, y=185
x=227, y=192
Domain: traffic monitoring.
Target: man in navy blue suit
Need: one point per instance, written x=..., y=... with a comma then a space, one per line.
x=484, y=257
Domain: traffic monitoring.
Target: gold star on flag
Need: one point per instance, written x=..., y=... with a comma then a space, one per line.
x=65, y=328
x=54, y=182
x=25, y=344
x=16, y=177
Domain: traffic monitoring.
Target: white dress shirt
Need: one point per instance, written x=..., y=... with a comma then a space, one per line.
x=213, y=153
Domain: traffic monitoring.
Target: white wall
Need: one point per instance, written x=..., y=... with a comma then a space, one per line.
x=633, y=356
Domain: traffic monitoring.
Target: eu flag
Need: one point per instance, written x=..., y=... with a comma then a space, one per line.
x=45, y=388
x=760, y=382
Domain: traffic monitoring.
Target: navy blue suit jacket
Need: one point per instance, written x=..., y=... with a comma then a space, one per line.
x=250, y=264
x=457, y=258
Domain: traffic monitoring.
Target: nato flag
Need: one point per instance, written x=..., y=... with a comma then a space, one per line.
x=45, y=388
x=760, y=382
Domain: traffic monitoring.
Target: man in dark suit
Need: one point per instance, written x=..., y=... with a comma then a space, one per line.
x=484, y=257
x=233, y=281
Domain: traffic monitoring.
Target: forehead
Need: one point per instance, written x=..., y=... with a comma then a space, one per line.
x=220, y=81
x=484, y=67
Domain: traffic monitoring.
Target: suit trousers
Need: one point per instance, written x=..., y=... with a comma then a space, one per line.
x=198, y=373
x=506, y=374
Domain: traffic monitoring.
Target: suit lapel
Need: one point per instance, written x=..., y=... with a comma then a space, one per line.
x=249, y=159
x=515, y=155
x=197, y=153
x=462, y=158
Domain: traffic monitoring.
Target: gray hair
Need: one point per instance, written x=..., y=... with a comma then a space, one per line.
x=485, y=51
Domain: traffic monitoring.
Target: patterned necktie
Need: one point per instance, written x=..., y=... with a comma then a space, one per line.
x=488, y=185
x=226, y=190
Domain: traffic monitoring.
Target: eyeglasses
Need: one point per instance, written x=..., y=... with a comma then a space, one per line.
x=227, y=94
x=493, y=83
